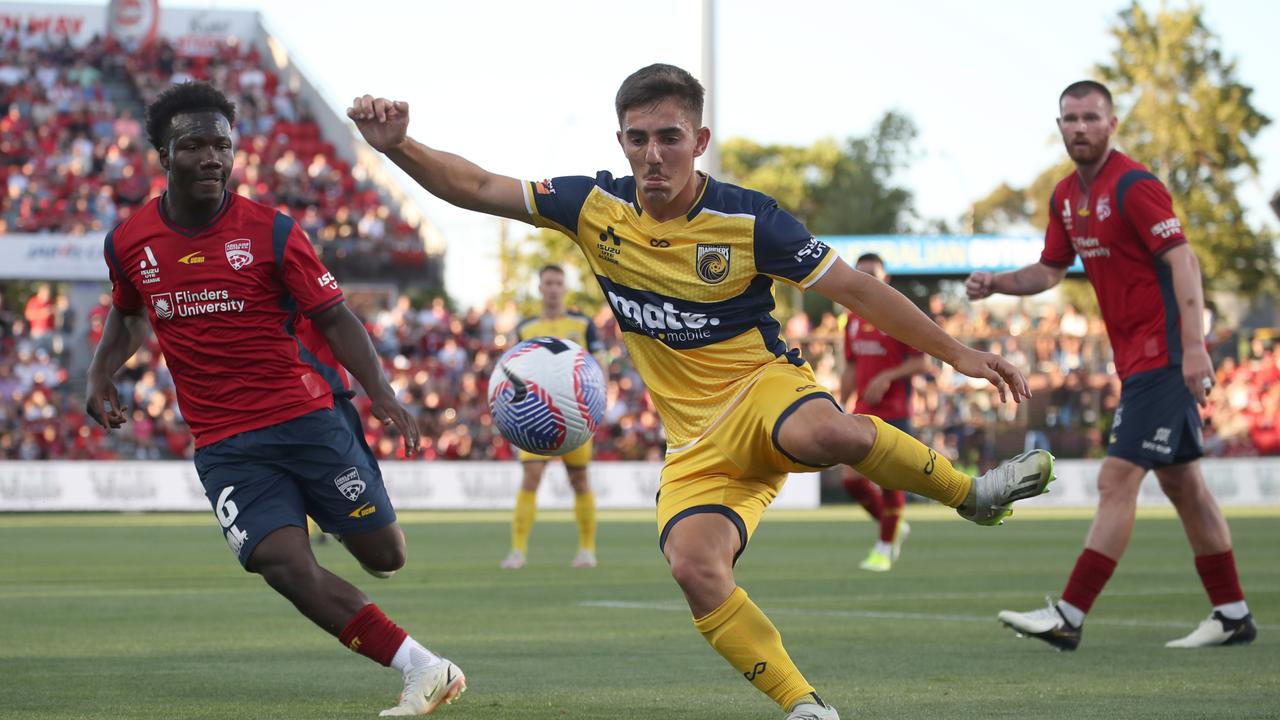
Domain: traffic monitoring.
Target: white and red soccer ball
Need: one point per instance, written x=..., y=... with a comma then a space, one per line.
x=547, y=395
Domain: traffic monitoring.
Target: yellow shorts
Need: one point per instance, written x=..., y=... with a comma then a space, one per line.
x=737, y=468
x=578, y=457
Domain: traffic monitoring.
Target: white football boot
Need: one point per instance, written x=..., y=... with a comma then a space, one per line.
x=1219, y=630
x=1025, y=476
x=427, y=687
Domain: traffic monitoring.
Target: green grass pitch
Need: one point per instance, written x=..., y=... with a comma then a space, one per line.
x=149, y=616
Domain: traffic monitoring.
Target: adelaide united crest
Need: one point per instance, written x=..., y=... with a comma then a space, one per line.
x=238, y=253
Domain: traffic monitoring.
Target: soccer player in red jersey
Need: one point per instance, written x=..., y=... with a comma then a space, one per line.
x=225, y=282
x=879, y=368
x=1118, y=218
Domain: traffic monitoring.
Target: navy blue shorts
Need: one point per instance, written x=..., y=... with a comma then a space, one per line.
x=317, y=464
x=1157, y=422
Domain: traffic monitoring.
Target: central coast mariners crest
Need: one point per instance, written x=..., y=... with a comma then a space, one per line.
x=713, y=262
x=238, y=253
x=350, y=484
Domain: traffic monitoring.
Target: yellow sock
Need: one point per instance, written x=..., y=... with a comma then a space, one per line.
x=900, y=462
x=584, y=509
x=741, y=633
x=522, y=521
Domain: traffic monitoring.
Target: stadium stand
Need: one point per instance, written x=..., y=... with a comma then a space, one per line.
x=76, y=159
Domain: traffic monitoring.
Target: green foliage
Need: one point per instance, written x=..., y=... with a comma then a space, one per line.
x=833, y=188
x=1189, y=118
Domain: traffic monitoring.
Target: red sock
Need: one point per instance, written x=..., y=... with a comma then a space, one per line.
x=1092, y=571
x=373, y=635
x=891, y=515
x=1218, y=573
x=866, y=493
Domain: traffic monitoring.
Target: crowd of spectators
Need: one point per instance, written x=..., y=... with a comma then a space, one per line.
x=439, y=362
x=76, y=158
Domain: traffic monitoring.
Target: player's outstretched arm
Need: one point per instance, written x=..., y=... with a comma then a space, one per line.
x=1197, y=368
x=892, y=312
x=122, y=335
x=352, y=347
x=385, y=126
x=1029, y=280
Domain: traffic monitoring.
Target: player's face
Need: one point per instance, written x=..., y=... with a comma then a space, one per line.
x=1086, y=124
x=660, y=141
x=198, y=156
x=874, y=269
x=551, y=286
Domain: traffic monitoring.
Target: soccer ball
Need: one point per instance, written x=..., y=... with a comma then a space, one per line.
x=546, y=395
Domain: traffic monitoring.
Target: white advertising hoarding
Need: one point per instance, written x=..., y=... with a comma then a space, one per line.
x=173, y=485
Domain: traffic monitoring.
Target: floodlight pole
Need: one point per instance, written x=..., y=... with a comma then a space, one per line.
x=711, y=158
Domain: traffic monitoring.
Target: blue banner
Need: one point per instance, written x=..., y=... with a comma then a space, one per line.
x=944, y=254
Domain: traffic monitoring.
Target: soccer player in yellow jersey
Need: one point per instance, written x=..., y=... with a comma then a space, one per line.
x=687, y=264
x=556, y=321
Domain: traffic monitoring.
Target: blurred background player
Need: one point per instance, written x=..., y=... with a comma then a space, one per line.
x=556, y=321
x=272, y=443
x=1119, y=219
x=687, y=264
x=878, y=370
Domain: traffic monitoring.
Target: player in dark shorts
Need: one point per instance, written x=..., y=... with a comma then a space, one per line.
x=1119, y=219
x=224, y=282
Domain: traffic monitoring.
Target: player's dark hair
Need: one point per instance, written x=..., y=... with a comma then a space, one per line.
x=187, y=97
x=1082, y=88
x=549, y=268
x=658, y=82
x=869, y=257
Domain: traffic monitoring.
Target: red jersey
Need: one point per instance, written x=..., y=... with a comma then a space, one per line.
x=1119, y=227
x=874, y=351
x=223, y=300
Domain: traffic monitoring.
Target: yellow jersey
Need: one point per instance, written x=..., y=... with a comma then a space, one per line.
x=571, y=326
x=692, y=295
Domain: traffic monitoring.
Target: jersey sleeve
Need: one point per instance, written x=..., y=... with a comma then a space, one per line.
x=1058, y=251
x=306, y=278
x=123, y=294
x=785, y=250
x=557, y=203
x=522, y=330
x=1145, y=202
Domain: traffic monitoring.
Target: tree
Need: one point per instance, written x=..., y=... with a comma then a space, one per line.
x=1190, y=120
x=833, y=188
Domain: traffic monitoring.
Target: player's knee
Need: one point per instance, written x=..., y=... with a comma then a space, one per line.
x=1117, y=489
x=838, y=441
x=387, y=559
x=1180, y=489
x=290, y=576
x=694, y=572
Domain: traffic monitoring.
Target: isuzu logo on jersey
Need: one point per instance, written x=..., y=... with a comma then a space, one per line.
x=713, y=262
x=350, y=484
x=163, y=304
x=238, y=254
x=150, y=267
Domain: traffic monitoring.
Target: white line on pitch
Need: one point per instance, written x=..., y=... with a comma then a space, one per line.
x=871, y=614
